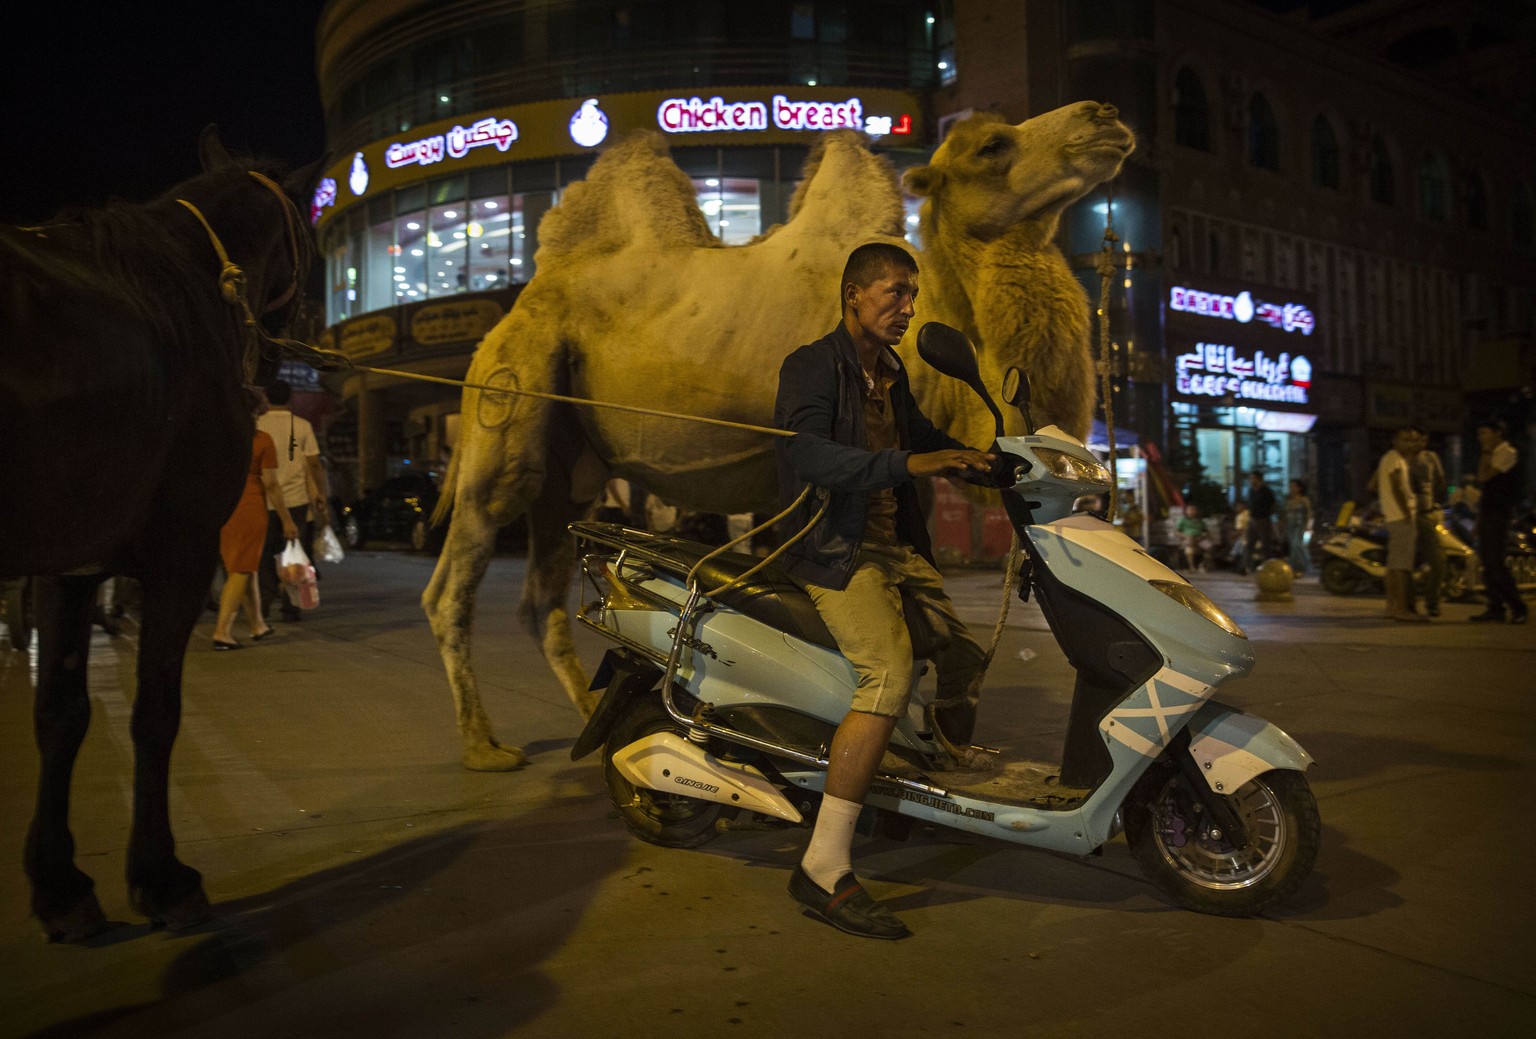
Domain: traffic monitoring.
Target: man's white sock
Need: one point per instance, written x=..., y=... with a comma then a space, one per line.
x=830, y=854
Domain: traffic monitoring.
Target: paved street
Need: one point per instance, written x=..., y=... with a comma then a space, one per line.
x=365, y=884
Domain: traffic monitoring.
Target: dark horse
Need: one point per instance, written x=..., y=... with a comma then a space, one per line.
x=125, y=435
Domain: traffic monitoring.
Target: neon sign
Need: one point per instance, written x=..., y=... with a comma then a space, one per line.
x=716, y=115
x=357, y=179
x=1242, y=308
x=1218, y=370
x=455, y=144
x=589, y=125
x=325, y=195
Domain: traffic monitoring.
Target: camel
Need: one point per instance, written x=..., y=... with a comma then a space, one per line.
x=636, y=302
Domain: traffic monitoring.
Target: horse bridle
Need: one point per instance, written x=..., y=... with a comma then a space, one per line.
x=232, y=287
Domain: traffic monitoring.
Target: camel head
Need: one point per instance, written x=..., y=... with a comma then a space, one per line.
x=989, y=177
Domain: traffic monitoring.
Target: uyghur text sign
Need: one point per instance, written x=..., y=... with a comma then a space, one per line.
x=1236, y=344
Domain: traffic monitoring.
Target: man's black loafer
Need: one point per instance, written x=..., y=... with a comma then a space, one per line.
x=848, y=907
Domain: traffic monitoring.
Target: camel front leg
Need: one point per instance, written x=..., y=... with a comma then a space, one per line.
x=544, y=608
x=449, y=602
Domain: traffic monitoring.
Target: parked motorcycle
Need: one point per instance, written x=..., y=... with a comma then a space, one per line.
x=1354, y=561
x=725, y=689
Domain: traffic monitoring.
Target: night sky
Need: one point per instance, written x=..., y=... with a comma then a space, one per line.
x=103, y=100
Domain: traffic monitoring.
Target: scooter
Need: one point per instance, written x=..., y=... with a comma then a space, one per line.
x=1355, y=561
x=724, y=690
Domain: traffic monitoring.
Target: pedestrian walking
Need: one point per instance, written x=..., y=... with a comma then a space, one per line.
x=1237, y=554
x=241, y=543
x=1499, y=483
x=1297, y=517
x=1261, y=519
x=1426, y=474
x=301, y=479
x=1397, y=509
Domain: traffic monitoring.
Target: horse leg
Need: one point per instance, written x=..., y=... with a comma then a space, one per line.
x=547, y=584
x=160, y=885
x=449, y=602
x=63, y=898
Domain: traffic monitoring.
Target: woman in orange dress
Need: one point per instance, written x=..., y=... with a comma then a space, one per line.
x=241, y=540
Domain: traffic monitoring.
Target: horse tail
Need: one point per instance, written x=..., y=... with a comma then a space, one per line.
x=445, y=499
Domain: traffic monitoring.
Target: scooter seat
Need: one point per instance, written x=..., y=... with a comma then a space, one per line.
x=770, y=596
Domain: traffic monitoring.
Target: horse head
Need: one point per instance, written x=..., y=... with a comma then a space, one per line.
x=990, y=177
x=252, y=215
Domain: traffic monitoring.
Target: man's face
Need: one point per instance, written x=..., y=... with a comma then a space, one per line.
x=884, y=308
x=1486, y=437
x=1406, y=442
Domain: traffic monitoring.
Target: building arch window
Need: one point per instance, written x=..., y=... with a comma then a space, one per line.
x=1521, y=231
x=1477, y=202
x=1382, y=183
x=1263, y=134
x=1191, y=111
x=1434, y=186
x=1325, y=154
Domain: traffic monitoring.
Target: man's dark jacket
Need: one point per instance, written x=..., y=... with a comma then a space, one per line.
x=821, y=401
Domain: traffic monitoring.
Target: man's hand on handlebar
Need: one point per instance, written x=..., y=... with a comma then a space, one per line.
x=966, y=464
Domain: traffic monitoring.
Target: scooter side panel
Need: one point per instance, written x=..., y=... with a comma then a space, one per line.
x=1232, y=747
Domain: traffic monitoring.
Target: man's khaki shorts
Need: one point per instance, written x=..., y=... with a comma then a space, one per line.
x=1402, y=536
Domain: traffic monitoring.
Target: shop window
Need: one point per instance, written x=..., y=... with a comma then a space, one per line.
x=410, y=266
x=379, y=264
x=486, y=246
x=732, y=207
x=1325, y=154
x=1263, y=134
x=1191, y=111
x=913, y=207
x=447, y=236
x=341, y=268
x=1382, y=182
x=1434, y=187
x=528, y=208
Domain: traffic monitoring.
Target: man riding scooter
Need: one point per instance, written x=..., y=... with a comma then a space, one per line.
x=861, y=438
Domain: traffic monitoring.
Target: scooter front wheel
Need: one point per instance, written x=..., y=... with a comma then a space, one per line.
x=1340, y=577
x=1195, y=865
x=670, y=820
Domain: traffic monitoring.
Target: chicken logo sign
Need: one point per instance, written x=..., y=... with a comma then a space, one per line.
x=589, y=126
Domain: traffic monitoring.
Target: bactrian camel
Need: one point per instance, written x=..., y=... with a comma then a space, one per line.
x=636, y=302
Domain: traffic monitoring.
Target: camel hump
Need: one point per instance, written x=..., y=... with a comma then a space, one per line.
x=844, y=185
x=634, y=194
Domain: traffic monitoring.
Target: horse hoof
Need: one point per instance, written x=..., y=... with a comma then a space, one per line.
x=83, y=921
x=191, y=910
x=494, y=758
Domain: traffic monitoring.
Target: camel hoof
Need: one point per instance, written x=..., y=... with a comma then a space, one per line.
x=191, y=910
x=81, y=922
x=494, y=758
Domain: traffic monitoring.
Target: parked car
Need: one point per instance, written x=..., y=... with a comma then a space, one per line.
x=397, y=510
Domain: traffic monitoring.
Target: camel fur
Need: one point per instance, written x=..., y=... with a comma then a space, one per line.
x=635, y=302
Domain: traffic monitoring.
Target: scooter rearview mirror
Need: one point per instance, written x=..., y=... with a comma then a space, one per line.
x=948, y=351
x=1016, y=393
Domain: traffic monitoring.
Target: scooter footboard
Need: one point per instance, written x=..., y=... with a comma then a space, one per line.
x=1232, y=747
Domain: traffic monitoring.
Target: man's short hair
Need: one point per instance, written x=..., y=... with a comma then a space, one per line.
x=1497, y=425
x=873, y=260
x=279, y=393
x=1415, y=429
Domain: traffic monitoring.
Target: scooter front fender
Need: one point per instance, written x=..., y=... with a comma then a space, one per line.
x=1231, y=747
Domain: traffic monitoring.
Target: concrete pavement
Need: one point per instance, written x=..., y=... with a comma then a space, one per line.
x=365, y=884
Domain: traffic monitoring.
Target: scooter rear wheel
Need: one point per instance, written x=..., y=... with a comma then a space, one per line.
x=1200, y=869
x=670, y=820
x=1340, y=577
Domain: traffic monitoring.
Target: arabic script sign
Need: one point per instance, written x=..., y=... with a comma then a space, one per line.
x=1219, y=370
x=1242, y=308
x=455, y=144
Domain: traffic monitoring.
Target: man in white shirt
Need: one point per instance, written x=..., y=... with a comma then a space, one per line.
x=301, y=478
x=1398, y=509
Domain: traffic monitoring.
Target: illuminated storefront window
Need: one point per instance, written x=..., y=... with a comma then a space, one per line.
x=732, y=207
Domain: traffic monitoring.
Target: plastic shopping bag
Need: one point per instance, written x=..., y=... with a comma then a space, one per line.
x=328, y=546
x=298, y=576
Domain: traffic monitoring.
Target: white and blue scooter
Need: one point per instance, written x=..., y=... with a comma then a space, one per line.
x=725, y=689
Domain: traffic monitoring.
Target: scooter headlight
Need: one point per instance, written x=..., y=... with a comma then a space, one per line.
x=1070, y=467
x=1201, y=603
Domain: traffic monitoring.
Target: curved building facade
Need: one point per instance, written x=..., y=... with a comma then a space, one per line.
x=456, y=125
